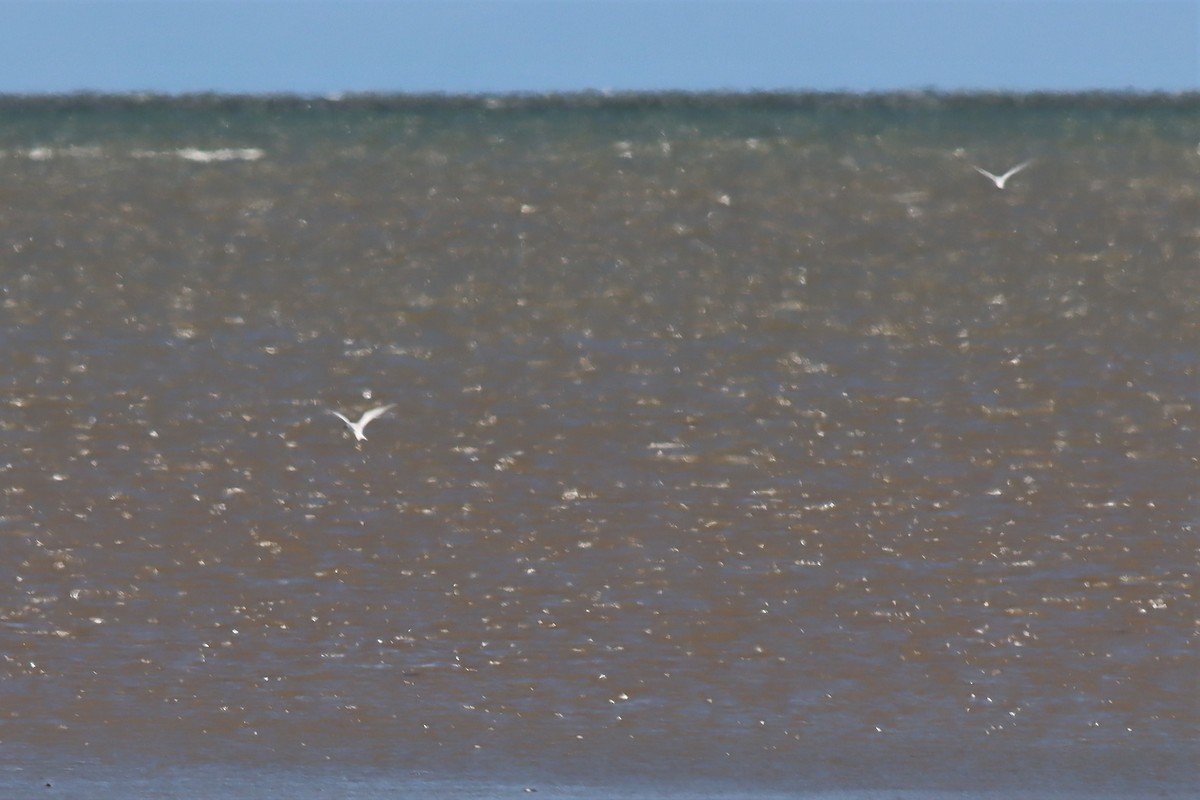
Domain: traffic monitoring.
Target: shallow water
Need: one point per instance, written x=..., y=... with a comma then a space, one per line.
x=747, y=439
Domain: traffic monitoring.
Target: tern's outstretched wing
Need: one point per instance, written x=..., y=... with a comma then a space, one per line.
x=341, y=416
x=1016, y=169
x=982, y=171
x=375, y=412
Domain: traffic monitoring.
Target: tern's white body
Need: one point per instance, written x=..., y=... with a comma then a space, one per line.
x=1000, y=180
x=357, y=427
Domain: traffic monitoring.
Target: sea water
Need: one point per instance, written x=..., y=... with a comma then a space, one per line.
x=742, y=444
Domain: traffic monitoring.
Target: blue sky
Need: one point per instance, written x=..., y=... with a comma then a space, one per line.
x=471, y=46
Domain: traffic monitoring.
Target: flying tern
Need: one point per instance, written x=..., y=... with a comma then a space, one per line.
x=367, y=417
x=1000, y=180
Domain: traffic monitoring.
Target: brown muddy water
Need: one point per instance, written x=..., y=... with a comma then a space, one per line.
x=761, y=443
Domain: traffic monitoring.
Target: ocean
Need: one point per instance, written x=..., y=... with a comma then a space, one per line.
x=743, y=445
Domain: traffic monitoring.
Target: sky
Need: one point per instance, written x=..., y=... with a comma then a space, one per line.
x=330, y=47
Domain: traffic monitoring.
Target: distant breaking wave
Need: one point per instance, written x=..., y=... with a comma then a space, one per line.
x=224, y=154
x=194, y=154
x=205, y=156
x=47, y=153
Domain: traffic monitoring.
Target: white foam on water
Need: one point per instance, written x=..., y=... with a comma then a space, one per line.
x=223, y=154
